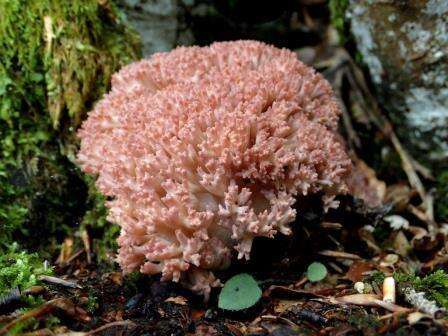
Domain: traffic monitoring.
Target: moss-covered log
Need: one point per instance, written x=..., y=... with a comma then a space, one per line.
x=56, y=59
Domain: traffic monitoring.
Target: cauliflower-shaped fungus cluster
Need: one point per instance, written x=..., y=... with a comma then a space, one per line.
x=202, y=149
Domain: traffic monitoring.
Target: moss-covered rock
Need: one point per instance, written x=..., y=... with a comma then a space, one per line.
x=56, y=59
x=404, y=46
x=161, y=23
x=434, y=285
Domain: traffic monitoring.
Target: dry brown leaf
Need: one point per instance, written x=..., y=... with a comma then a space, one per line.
x=180, y=300
x=364, y=184
x=117, y=278
x=356, y=271
x=399, y=196
x=401, y=244
x=197, y=314
x=415, y=317
x=284, y=305
x=389, y=260
x=66, y=251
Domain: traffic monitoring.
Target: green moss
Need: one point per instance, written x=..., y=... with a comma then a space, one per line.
x=434, y=285
x=92, y=304
x=23, y=326
x=337, y=11
x=20, y=269
x=376, y=277
x=57, y=58
x=442, y=196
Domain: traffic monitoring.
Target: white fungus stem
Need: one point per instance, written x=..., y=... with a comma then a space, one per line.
x=389, y=290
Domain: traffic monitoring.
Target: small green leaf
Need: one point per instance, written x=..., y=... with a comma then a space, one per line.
x=239, y=292
x=36, y=77
x=4, y=82
x=316, y=272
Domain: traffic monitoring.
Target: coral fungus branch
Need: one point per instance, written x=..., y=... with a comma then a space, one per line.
x=203, y=149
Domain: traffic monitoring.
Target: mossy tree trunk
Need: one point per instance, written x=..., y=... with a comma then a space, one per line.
x=56, y=59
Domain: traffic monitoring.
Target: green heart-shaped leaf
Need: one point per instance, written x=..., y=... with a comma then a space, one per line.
x=316, y=272
x=239, y=292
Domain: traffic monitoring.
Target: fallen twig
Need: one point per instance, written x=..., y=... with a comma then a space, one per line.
x=370, y=300
x=86, y=241
x=340, y=255
x=125, y=323
x=59, y=281
x=42, y=310
x=331, y=226
x=293, y=293
x=40, y=332
x=279, y=319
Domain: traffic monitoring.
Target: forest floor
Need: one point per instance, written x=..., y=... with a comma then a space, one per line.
x=86, y=297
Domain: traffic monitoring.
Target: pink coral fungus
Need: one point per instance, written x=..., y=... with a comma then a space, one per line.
x=202, y=149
